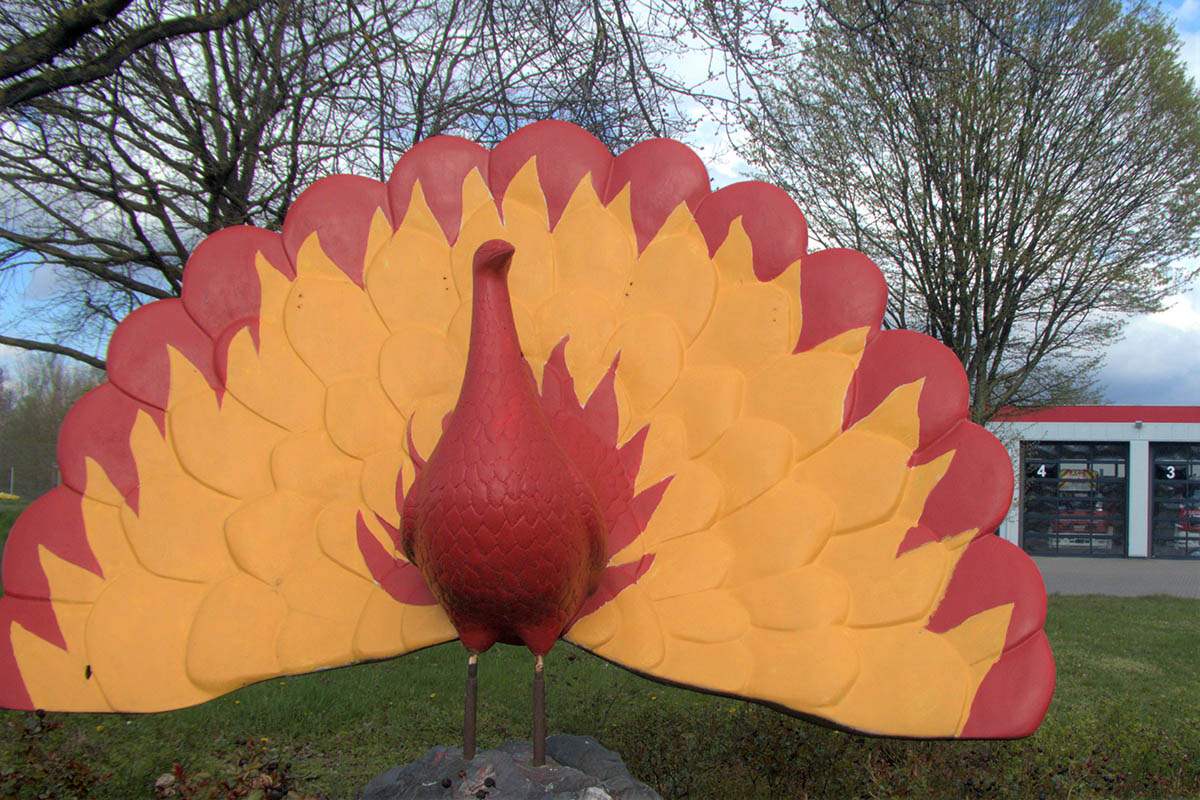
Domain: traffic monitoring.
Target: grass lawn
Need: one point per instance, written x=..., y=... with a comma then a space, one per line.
x=9, y=511
x=1125, y=722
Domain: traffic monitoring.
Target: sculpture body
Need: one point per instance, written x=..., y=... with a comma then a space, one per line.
x=504, y=529
x=764, y=496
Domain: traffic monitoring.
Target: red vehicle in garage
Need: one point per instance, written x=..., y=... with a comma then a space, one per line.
x=1188, y=524
x=1081, y=514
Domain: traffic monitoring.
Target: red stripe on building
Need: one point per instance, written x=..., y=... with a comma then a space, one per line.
x=1130, y=414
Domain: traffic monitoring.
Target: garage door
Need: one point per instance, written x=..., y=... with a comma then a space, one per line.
x=1175, y=499
x=1074, y=498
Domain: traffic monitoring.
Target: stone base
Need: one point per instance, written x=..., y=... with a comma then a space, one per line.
x=577, y=768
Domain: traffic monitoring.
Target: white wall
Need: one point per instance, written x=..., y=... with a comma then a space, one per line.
x=1139, y=435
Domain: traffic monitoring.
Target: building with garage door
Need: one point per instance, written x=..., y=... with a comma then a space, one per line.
x=1105, y=481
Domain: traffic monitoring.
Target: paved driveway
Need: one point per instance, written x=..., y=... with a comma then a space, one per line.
x=1126, y=577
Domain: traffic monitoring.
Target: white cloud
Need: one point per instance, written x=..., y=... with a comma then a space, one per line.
x=1157, y=362
x=1190, y=52
x=1188, y=12
x=10, y=361
x=724, y=165
x=1154, y=364
x=44, y=283
x=1182, y=313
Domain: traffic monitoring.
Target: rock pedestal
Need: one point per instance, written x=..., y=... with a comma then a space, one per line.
x=577, y=768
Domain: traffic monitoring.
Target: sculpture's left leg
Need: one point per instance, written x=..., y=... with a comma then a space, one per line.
x=539, y=712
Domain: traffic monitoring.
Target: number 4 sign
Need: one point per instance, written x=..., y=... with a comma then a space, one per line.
x=1041, y=469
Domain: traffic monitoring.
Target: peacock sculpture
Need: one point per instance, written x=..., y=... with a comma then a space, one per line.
x=521, y=395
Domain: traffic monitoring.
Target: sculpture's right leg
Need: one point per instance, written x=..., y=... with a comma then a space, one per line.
x=472, y=694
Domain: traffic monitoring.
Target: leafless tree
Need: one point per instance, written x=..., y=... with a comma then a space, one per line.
x=1024, y=171
x=34, y=400
x=34, y=35
x=108, y=185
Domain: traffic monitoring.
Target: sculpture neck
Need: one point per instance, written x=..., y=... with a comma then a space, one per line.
x=496, y=367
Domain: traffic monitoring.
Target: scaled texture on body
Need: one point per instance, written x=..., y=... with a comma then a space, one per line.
x=504, y=528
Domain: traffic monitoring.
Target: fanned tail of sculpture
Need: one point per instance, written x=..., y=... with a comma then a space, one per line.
x=797, y=510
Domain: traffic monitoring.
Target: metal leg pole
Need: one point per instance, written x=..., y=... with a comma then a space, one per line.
x=539, y=712
x=469, y=708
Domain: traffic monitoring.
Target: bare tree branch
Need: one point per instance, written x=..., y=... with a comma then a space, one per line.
x=108, y=185
x=74, y=23
x=57, y=349
x=60, y=35
x=1024, y=171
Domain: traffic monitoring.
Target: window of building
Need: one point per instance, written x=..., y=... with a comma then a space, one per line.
x=1074, y=498
x=1175, y=499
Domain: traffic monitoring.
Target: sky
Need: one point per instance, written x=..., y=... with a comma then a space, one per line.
x=1157, y=359
x=1155, y=362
